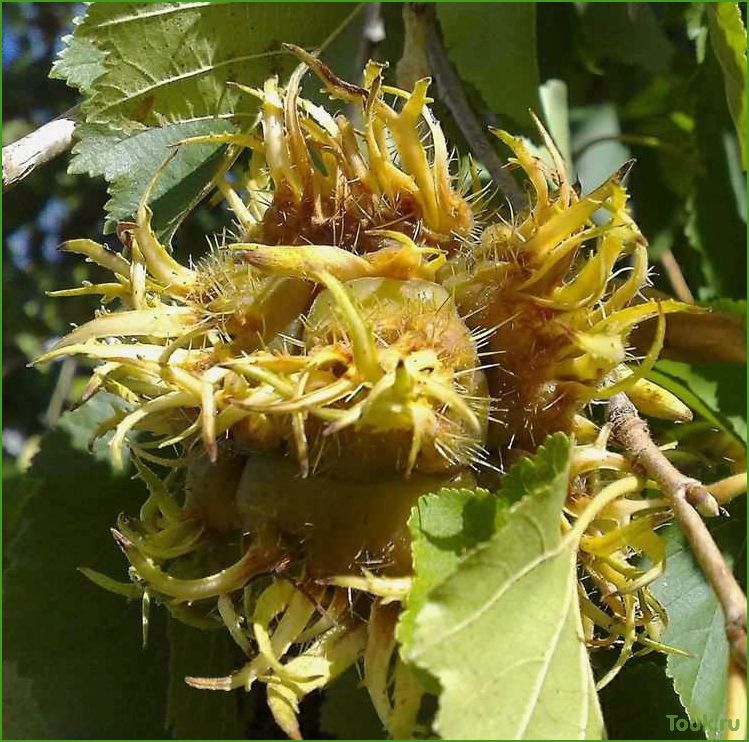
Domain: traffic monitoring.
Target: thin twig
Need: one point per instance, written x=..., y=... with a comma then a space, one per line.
x=22, y=157
x=684, y=495
x=422, y=30
x=676, y=277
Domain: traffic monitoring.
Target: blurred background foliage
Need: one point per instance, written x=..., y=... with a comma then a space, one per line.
x=614, y=81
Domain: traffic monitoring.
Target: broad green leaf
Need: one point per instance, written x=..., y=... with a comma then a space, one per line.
x=502, y=634
x=444, y=526
x=716, y=392
x=640, y=703
x=199, y=714
x=658, y=123
x=79, y=63
x=540, y=476
x=728, y=38
x=695, y=619
x=347, y=711
x=18, y=488
x=21, y=717
x=129, y=163
x=714, y=227
x=179, y=88
x=170, y=62
x=493, y=46
x=79, y=646
x=628, y=33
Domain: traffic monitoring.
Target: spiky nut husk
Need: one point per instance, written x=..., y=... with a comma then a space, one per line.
x=373, y=332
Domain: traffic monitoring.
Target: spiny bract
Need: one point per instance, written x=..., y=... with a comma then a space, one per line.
x=374, y=331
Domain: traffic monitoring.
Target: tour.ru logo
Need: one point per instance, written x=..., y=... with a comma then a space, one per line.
x=681, y=724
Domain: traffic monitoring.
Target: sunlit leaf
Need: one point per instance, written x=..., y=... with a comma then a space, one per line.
x=170, y=62
x=444, y=526
x=469, y=635
x=596, y=142
x=79, y=63
x=555, y=105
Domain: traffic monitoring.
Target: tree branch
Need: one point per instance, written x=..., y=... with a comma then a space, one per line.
x=22, y=157
x=423, y=48
x=684, y=495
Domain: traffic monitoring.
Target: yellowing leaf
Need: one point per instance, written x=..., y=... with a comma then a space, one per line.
x=502, y=634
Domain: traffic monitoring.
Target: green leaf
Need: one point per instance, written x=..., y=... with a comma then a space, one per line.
x=199, y=714
x=140, y=104
x=170, y=62
x=79, y=63
x=493, y=46
x=541, y=475
x=347, y=711
x=506, y=625
x=443, y=526
x=695, y=619
x=21, y=716
x=81, y=424
x=716, y=392
x=628, y=33
x=128, y=164
x=18, y=488
x=640, y=703
x=79, y=646
x=728, y=39
x=730, y=306
x=714, y=226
